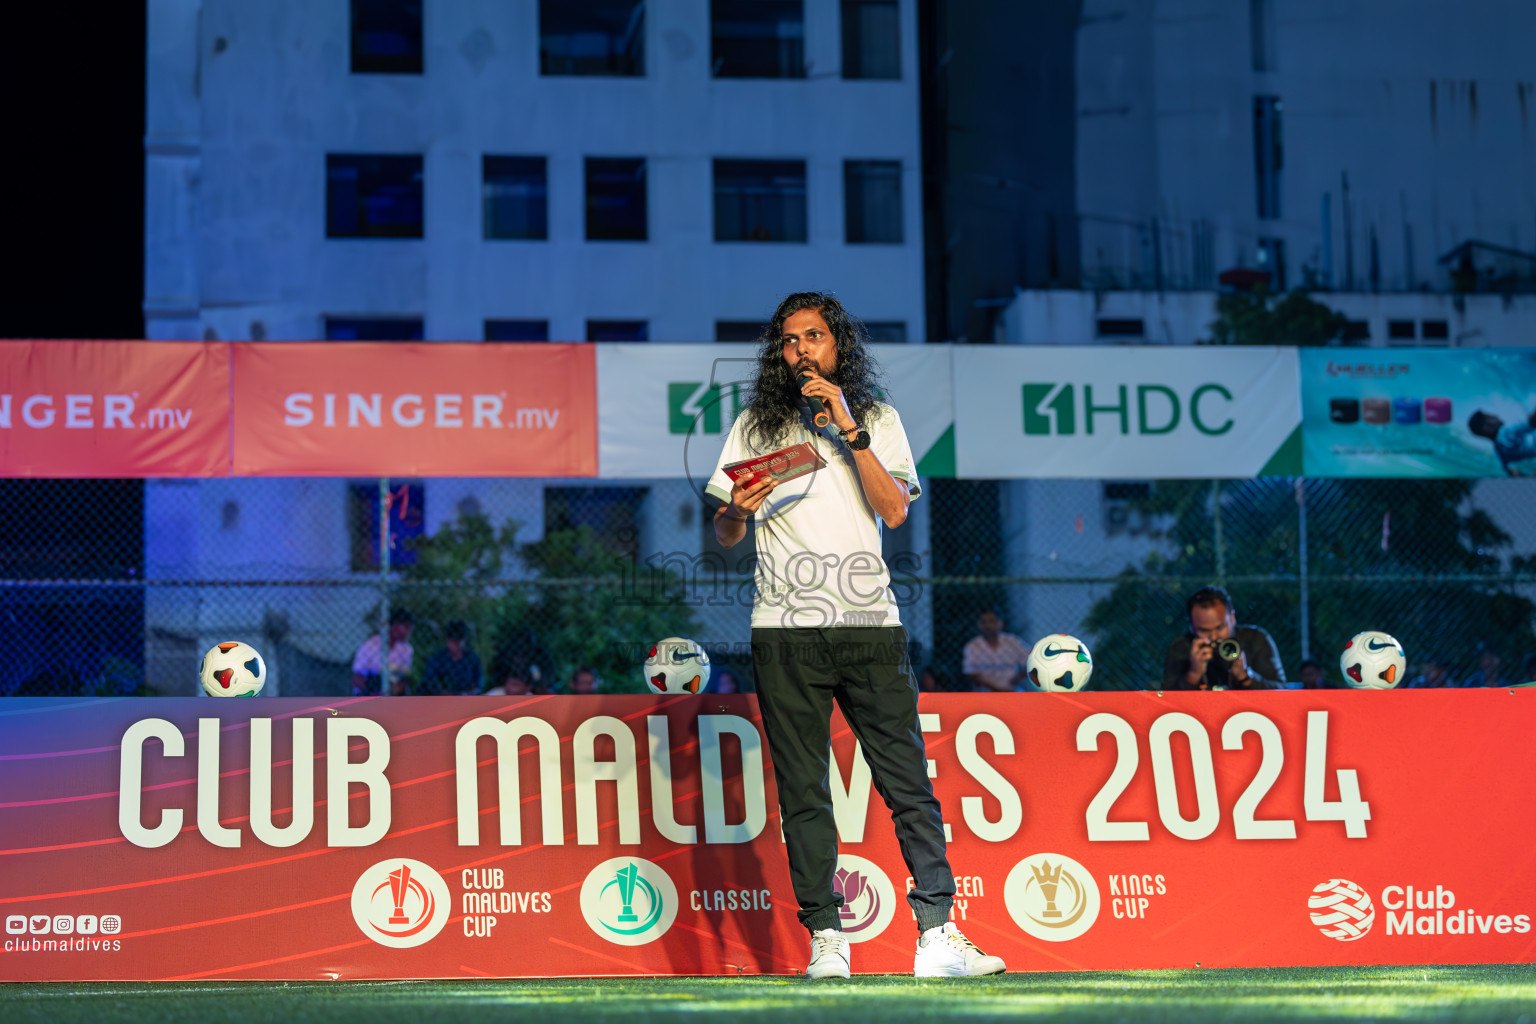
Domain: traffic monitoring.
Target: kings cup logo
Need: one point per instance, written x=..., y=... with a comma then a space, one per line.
x=1051, y=897
x=869, y=899
x=401, y=903
x=628, y=901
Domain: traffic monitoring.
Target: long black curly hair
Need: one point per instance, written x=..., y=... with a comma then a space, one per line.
x=774, y=401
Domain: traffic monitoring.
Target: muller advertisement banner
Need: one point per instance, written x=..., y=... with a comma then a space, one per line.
x=1105, y=412
x=450, y=837
x=1411, y=413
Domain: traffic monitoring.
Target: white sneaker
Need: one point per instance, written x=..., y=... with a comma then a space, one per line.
x=829, y=955
x=946, y=953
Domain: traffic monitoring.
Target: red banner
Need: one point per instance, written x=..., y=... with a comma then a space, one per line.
x=570, y=836
x=340, y=409
x=113, y=409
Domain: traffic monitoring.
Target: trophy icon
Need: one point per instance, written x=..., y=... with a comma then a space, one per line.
x=399, y=885
x=1049, y=879
x=627, y=877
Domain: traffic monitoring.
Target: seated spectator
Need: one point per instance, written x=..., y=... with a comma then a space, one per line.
x=585, y=680
x=994, y=660
x=519, y=653
x=1489, y=661
x=1312, y=678
x=1435, y=674
x=512, y=686
x=368, y=665
x=1193, y=662
x=454, y=669
x=723, y=681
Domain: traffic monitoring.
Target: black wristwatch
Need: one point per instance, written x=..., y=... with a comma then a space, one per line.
x=859, y=442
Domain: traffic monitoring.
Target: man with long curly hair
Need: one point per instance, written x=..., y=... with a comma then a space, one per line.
x=824, y=625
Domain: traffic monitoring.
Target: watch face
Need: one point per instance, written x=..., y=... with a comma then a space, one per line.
x=860, y=442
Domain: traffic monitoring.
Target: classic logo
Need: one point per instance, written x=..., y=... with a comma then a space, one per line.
x=695, y=407
x=1341, y=909
x=629, y=901
x=1051, y=897
x=869, y=899
x=1158, y=409
x=401, y=903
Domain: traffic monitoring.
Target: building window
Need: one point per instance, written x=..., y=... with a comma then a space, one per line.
x=1126, y=328
x=618, y=330
x=884, y=332
x=1400, y=330
x=517, y=330
x=760, y=200
x=592, y=37
x=615, y=199
x=871, y=39
x=1271, y=257
x=1261, y=34
x=1436, y=330
x=1267, y=155
x=614, y=514
x=757, y=38
x=407, y=522
x=381, y=328
x=515, y=197
x=739, y=330
x=372, y=196
x=1357, y=330
x=872, y=200
x=386, y=37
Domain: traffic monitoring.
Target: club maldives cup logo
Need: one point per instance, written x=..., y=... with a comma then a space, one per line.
x=628, y=901
x=401, y=903
x=869, y=899
x=1051, y=897
x=1342, y=910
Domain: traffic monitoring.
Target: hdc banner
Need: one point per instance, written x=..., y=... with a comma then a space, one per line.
x=545, y=836
x=1100, y=412
x=664, y=410
x=336, y=409
x=113, y=409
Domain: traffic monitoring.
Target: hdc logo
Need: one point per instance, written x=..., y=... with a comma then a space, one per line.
x=695, y=407
x=1158, y=409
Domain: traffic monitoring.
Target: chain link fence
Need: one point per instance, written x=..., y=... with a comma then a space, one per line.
x=117, y=587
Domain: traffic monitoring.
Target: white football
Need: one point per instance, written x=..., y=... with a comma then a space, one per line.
x=232, y=669
x=1059, y=664
x=676, y=665
x=1373, y=661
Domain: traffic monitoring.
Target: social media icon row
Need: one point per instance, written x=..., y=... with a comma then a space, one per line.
x=1389, y=410
x=63, y=924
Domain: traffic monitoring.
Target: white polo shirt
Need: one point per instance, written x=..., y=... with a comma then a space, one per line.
x=818, y=539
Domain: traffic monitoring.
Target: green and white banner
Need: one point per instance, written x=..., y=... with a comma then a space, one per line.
x=664, y=410
x=1107, y=412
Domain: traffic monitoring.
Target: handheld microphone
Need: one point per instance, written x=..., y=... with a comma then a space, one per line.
x=819, y=414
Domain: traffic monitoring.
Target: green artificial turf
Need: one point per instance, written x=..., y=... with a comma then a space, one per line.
x=1471, y=993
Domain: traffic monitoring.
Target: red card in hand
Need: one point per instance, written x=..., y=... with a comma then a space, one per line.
x=784, y=464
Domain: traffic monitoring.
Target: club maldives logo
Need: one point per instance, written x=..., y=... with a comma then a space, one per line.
x=628, y=901
x=1051, y=897
x=869, y=899
x=1341, y=909
x=401, y=903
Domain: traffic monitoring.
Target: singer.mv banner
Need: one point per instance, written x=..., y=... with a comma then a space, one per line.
x=181, y=838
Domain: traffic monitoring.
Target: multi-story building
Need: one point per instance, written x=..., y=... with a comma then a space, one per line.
x=602, y=170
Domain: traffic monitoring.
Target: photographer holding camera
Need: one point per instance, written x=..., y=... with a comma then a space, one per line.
x=1217, y=653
